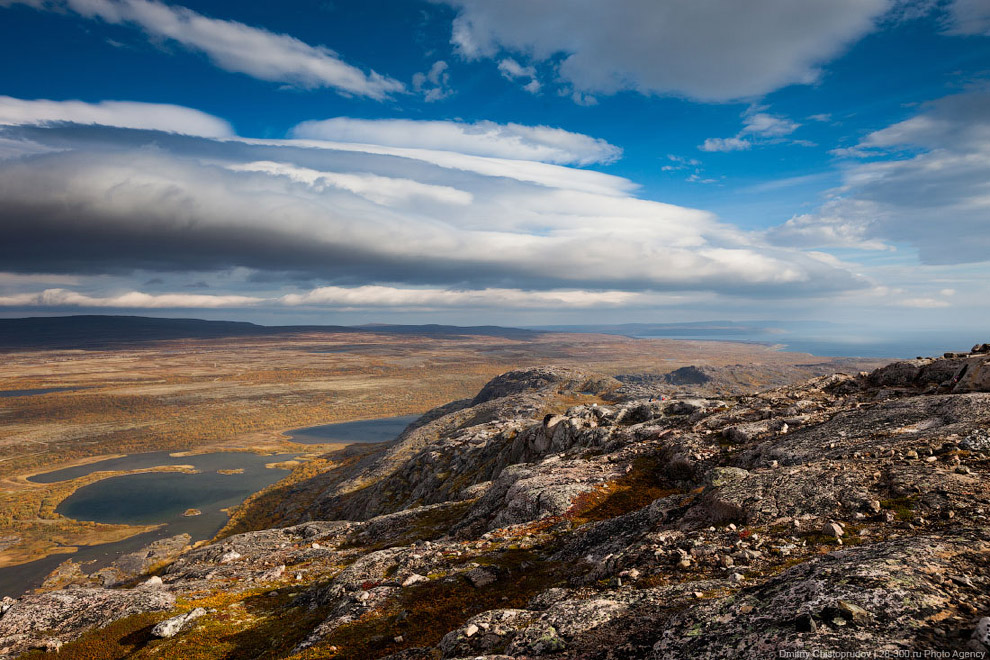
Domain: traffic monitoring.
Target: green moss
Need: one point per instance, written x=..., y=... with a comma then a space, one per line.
x=903, y=507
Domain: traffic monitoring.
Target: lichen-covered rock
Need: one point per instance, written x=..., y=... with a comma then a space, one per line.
x=173, y=626
x=64, y=615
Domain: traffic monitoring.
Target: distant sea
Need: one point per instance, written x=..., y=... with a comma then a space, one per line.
x=897, y=347
x=818, y=338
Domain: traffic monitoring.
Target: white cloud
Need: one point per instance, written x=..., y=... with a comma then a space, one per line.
x=839, y=223
x=483, y=138
x=717, y=50
x=385, y=296
x=124, y=114
x=928, y=187
x=758, y=128
x=129, y=300
x=969, y=17
x=923, y=303
x=383, y=190
x=544, y=174
x=434, y=85
x=513, y=70
x=725, y=144
x=236, y=47
x=767, y=125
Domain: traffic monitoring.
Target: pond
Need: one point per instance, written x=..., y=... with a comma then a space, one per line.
x=150, y=498
x=6, y=394
x=162, y=497
x=383, y=429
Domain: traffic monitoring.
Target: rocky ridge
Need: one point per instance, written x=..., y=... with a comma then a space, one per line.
x=561, y=514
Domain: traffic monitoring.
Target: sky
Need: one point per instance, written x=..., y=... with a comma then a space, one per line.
x=510, y=162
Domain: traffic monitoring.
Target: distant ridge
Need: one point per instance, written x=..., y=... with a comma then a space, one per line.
x=104, y=331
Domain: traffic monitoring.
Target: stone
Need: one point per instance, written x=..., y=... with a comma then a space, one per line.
x=854, y=613
x=982, y=632
x=806, y=623
x=272, y=574
x=833, y=530
x=228, y=557
x=154, y=582
x=172, y=627
x=415, y=578
x=843, y=454
x=480, y=577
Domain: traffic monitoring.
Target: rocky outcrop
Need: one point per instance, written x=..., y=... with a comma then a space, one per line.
x=49, y=620
x=559, y=515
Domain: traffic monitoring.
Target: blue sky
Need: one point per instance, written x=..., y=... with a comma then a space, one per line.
x=501, y=162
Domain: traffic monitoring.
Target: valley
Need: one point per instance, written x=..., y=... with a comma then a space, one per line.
x=196, y=396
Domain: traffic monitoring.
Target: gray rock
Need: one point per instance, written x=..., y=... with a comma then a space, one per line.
x=833, y=530
x=68, y=613
x=982, y=632
x=481, y=577
x=172, y=627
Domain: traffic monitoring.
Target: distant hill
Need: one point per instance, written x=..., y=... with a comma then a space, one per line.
x=99, y=331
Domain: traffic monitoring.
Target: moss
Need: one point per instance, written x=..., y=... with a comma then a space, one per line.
x=644, y=483
x=121, y=639
x=903, y=507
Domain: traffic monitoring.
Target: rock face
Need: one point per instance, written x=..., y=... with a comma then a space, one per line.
x=51, y=619
x=560, y=515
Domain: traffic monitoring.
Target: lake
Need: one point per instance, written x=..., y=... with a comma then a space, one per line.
x=162, y=497
x=150, y=498
x=383, y=429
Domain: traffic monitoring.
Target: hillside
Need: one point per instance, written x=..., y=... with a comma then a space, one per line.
x=564, y=514
x=101, y=331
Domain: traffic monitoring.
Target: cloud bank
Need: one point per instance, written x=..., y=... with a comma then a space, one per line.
x=369, y=224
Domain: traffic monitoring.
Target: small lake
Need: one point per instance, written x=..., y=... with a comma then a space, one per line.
x=162, y=497
x=370, y=430
x=44, y=390
x=150, y=498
